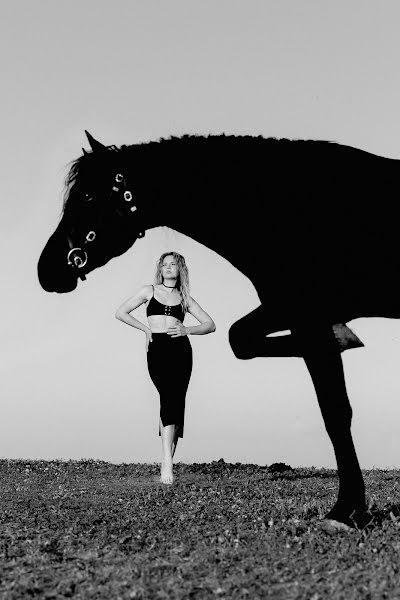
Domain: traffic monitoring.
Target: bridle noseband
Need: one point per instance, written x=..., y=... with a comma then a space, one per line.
x=77, y=256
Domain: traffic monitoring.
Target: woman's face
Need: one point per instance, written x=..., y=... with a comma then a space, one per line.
x=169, y=267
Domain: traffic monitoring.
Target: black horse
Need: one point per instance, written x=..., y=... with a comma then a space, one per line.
x=310, y=223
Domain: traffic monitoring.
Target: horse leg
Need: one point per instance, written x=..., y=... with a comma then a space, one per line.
x=326, y=369
x=314, y=339
x=248, y=336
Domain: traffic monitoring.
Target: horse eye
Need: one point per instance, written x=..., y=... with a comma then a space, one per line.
x=88, y=197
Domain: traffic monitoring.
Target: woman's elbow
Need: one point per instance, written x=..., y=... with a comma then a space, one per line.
x=212, y=327
x=118, y=314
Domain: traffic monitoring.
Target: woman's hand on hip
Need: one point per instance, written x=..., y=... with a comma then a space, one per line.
x=177, y=330
x=149, y=338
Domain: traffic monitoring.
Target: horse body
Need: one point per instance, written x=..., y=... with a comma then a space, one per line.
x=311, y=224
x=295, y=217
x=278, y=210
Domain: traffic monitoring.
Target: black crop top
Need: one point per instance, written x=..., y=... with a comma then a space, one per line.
x=155, y=307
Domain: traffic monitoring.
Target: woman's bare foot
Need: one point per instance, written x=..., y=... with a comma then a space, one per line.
x=166, y=472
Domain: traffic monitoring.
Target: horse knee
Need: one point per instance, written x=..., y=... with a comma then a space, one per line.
x=239, y=341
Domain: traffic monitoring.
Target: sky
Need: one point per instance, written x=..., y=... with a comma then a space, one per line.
x=74, y=381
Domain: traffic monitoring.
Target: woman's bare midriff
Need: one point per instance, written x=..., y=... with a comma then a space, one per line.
x=160, y=323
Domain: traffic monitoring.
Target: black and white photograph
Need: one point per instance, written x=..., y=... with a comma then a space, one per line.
x=200, y=367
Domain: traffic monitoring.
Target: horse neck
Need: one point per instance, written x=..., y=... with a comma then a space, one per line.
x=170, y=181
x=185, y=184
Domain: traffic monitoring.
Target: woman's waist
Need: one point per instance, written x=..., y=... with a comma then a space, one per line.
x=168, y=335
x=159, y=332
x=160, y=323
x=164, y=337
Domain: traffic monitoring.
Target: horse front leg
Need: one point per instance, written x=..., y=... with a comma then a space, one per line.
x=248, y=336
x=315, y=340
x=325, y=366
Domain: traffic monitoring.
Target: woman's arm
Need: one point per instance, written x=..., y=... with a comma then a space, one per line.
x=123, y=311
x=207, y=325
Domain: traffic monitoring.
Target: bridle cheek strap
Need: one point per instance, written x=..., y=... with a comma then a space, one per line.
x=77, y=256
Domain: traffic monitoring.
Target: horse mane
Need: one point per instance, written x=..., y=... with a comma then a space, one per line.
x=70, y=178
x=83, y=167
x=90, y=164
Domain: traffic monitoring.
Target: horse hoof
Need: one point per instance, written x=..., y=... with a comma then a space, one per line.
x=333, y=527
x=345, y=337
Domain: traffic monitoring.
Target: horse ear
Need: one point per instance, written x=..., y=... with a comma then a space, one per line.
x=84, y=151
x=95, y=145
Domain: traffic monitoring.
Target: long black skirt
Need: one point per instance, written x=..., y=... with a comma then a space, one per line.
x=170, y=366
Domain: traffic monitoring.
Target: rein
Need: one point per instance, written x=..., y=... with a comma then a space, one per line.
x=77, y=256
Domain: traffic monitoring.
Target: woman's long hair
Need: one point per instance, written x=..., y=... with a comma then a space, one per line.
x=182, y=282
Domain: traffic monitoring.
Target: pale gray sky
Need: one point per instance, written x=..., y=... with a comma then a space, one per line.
x=74, y=380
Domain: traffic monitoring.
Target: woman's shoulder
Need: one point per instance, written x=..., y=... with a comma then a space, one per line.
x=147, y=291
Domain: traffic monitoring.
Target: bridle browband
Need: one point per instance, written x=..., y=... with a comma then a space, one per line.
x=77, y=256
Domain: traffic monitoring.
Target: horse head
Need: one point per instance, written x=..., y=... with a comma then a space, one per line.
x=100, y=218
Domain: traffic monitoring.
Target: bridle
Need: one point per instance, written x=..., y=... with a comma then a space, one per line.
x=77, y=256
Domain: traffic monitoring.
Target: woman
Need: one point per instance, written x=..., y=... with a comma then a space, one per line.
x=169, y=353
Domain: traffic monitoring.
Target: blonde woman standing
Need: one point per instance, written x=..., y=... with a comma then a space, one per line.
x=169, y=352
